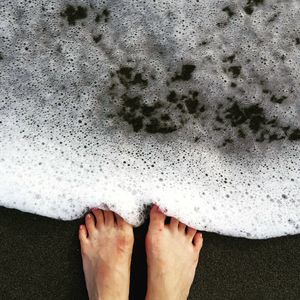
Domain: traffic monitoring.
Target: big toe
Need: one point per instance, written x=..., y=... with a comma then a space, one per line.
x=157, y=218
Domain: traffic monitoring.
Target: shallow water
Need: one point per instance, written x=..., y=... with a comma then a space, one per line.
x=193, y=105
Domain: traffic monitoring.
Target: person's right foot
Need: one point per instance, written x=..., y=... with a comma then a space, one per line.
x=172, y=256
x=106, y=248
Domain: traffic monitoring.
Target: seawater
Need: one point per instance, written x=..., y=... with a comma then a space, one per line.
x=192, y=105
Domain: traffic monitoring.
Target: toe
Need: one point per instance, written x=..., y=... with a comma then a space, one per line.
x=174, y=224
x=198, y=241
x=120, y=220
x=82, y=234
x=109, y=218
x=181, y=227
x=90, y=223
x=99, y=216
x=191, y=233
x=157, y=218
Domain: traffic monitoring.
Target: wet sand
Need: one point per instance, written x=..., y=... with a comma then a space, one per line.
x=40, y=259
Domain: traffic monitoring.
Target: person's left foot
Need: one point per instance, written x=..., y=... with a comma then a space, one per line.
x=106, y=247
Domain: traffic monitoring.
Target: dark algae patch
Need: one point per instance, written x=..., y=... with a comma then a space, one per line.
x=142, y=116
x=192, y=103
x=97, y=38
x=148, y=110
x=104, y=15
x=229, y=120
x=251, y=4
x=253, y=115
x=229, y=58
x=232, y=68
x=172, y=97
x=273, y=18
x=252, y=119
x=163, y=116
x=235, y=71
x=229, y=11
x=186, y=73
x=278, y=100
x=131, y=103
x=73, y=14
x=128, y=78
x=295, y=135
x=98, y=18
x=157, y=126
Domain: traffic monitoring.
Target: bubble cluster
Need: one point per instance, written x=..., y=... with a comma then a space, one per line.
x=193, y=105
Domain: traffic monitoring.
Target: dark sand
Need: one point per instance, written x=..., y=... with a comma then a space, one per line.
x=40, y=259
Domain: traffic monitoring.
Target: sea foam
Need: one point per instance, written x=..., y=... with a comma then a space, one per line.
x=193, y=105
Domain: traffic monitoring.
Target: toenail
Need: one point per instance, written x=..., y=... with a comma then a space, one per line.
x=155, y=206
x=159, y=210
x=88, y=215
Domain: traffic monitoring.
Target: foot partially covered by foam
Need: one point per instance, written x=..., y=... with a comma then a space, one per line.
x=106, y=245
x=172, y=256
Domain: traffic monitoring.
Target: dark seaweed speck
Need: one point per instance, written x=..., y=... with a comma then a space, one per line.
x=104, y=15
x=73, y=14
x=240, y=115
x=172, y=97
x=235, y=71
x=295, y=135
x=229, y=11
x=98, y=18
x=157, y=127
x=229, y=58
x=127, y=78
x=186, y=73
x=97, y=38
x=131, y=103
x=275, y=137
x=273, y=18
x=136, y=122
x=165, y=117
x=192, y=105
x=279, y=100
x=148, y=110
x=249, y=8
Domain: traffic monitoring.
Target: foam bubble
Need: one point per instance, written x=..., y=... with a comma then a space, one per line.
x=193, y=105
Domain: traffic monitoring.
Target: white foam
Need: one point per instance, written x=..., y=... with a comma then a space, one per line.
x=78, y=98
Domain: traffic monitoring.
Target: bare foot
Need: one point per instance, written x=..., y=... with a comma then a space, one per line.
x=106, y=246
x=172, y=256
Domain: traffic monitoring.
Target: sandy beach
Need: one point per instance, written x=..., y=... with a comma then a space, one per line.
x=40, y=259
